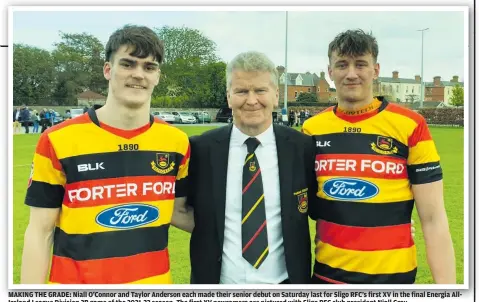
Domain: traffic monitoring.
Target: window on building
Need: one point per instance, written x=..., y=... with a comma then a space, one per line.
x=397, y=88
x=407, y=89
x=309, y=89
x=413, y=89
x=295, y=94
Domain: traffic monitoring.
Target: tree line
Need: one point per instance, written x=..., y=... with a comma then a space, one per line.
x=192, y=75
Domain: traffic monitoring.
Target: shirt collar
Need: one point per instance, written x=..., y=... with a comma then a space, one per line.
x=238, y=138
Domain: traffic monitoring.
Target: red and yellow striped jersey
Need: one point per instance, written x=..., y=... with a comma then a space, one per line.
x=116, y=192
x=365, y=166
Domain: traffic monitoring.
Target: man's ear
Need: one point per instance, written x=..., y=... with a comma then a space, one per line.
x=107, y=70
x=228, y=98
x=377, y=68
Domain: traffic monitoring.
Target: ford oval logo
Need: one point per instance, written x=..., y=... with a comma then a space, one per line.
x=127, y=216
x=350, y=189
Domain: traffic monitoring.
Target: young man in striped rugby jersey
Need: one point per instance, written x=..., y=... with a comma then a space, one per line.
x=103, y=185
x=374, y=161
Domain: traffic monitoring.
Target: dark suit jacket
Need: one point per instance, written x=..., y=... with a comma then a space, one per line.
x=207, y=174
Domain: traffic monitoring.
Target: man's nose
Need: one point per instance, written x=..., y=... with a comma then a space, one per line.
x=138, y=73
x=352, y=72
x=251, y=98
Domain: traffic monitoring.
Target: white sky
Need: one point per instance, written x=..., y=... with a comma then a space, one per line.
x=309, y=34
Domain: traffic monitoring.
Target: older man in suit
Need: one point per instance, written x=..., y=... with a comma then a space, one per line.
x=250, y=186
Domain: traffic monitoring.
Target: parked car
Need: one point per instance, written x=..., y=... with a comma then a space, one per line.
x=166, y=116
x=57, y=118
x=176, y=115
x=202, y=117
x=74, y=112
x=224, y=115
x=187, y=118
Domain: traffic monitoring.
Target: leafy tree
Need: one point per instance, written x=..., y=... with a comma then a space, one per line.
x=33, y=75
x=186, y=43
x=78, y=62
x=306, y=97
x=457, y=98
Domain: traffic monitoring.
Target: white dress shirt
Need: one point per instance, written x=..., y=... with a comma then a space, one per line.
x=234, y=268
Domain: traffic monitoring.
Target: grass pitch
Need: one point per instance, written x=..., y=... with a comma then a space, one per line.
x=449, y=142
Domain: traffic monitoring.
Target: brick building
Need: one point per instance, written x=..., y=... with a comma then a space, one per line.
x=305, y=82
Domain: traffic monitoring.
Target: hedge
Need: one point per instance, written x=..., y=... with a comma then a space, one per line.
x=433, y=116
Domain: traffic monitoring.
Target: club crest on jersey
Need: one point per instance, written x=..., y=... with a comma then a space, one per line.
x=252, y=166
x=303, y=202
x=384, y=145
x=302, y=196
x=163, y=163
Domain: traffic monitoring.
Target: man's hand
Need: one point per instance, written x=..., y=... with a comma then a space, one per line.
x=183, y=215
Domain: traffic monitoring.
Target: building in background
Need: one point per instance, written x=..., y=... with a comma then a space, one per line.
x=305, y=82
x=89, y=98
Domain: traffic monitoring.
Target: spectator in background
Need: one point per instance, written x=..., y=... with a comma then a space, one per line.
x=16, y=118
x=45, y=119
x=292, y=118
x=36, y=121
x=302, y=117
x=25, y=118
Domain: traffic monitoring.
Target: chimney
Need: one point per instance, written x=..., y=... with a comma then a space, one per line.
x=280, y=69
x=395, y=74
x=437, y=81
x=418, y=78
x=321, y=74
x=455, y=79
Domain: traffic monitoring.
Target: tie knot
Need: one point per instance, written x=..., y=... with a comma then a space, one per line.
x=252, y=143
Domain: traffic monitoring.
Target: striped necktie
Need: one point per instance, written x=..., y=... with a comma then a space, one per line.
x=254, y=233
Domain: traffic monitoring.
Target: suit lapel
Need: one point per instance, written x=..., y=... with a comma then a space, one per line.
x=286, y=158
x=219, y=163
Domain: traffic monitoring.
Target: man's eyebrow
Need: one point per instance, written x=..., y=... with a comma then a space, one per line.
x=135, y=62
x=128, y=60
x=152, y=64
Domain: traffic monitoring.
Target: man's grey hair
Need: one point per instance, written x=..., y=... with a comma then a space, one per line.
x=251, y=61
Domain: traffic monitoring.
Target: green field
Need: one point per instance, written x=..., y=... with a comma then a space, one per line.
x=449, y=141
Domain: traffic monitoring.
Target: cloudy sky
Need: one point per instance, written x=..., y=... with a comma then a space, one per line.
x=309, y=33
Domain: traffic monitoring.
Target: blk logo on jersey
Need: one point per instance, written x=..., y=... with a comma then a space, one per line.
x=90, y=167
x=323, y=144
x=350, y=189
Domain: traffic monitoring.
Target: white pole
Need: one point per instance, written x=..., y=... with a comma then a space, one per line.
x=286, y=68
x=421, y=101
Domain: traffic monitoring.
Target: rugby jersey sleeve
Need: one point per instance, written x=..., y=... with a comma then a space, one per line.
x=47, y=179
x=182, y=176
x=423, y=161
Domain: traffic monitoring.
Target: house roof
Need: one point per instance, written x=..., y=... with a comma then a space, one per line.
x=431, y=84
x=91, y=95
x=309, y=79
x=398, y=80
x=449, y=83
